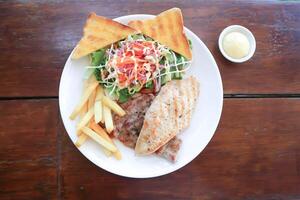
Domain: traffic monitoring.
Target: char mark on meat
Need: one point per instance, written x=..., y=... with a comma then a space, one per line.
x=128, y=127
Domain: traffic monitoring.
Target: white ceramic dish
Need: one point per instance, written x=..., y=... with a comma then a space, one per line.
x=244, y=31
x=195, y=138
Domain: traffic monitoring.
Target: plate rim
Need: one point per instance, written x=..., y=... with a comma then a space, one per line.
x=218, y=116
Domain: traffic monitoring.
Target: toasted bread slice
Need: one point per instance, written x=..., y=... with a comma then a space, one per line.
x=99, y=32
x=170, y=113
x=166, y=28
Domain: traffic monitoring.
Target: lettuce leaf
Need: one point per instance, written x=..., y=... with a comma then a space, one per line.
x=98, y=58
x=123, y=95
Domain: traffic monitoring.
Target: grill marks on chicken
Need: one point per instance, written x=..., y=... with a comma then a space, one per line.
x=169, y=114
x=128, y=127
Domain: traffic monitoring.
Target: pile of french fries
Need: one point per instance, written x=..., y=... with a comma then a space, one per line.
x=93, y=109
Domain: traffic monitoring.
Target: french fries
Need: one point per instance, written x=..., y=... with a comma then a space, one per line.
x=99, y=94
x=98, y=105
x=109, y=126
x=81, y=139
x=102, y=120
x=92, y=99
x=99, y=139
x=113, y=105
x=84, y=99
x=86, y=119
x=93, y=108
x=83, y=111
x=98, y=129
x=98, y=111
x=91, y=79
x=106, y=152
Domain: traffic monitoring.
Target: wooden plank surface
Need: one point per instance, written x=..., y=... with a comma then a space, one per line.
x=255, y=153
x=254, y=157
x=37, y=36
x=28, y=156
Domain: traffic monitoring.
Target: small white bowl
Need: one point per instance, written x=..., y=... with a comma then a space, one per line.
x=244, y=31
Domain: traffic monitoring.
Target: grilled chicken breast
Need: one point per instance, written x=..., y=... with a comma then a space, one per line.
x=170, y=112
x=128, y=127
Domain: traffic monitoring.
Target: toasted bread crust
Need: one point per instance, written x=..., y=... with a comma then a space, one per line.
x=99, y=32
x=168, y=115
x=166, y=28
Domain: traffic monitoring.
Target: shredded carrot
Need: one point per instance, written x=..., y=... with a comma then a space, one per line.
x=132, y=63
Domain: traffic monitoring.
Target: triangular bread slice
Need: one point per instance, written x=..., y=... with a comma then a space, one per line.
x=99, y=32
x=170, y=113
x=166, y=28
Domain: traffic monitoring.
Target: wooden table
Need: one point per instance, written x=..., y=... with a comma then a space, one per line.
x=254, y=154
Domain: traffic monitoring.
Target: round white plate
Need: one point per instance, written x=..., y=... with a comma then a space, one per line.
x=203, y=125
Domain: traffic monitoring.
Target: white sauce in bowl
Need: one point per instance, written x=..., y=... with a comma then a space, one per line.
x=236, y=45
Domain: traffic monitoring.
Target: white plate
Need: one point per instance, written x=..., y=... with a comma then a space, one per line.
x=195, y=138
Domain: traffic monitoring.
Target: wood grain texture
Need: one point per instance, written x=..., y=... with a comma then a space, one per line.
x=37, y=36
x=28, y=156
x=255, y=153
x=254, y=157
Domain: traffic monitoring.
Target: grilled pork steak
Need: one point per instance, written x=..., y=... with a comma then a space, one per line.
x=170, y=150
x=128, y=127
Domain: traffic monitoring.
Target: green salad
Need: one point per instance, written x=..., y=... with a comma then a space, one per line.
x=136, y=64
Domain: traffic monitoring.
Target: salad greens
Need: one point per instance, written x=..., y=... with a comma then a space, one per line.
x=171, y=65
